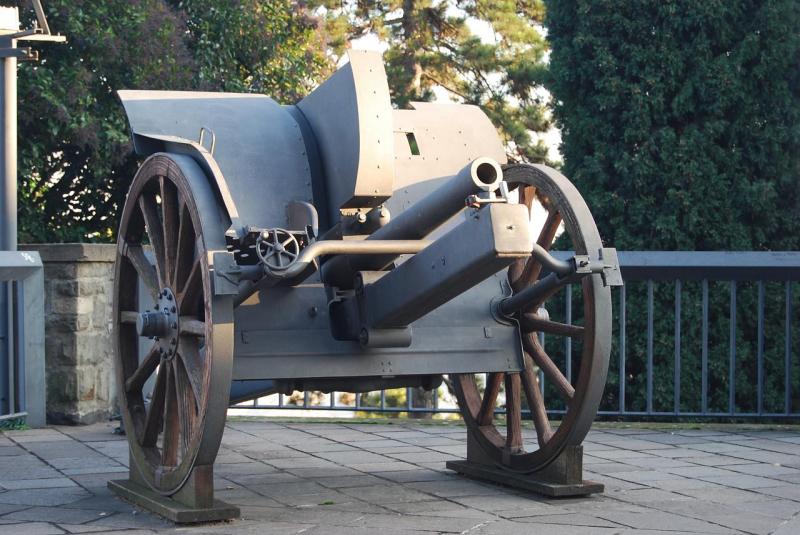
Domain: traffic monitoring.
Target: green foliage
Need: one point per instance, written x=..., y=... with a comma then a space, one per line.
x=255, y=46
x=75, y=160
x=681, y=120
x=433, y=44
x=681, y=127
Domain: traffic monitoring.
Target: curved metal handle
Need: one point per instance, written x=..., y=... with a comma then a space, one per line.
x=203, y=131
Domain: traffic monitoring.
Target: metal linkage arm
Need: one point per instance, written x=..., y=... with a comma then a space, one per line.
x=562, y=273
x=305, y=264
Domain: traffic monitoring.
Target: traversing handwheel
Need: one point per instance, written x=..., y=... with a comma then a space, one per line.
x=581, y=396
x=174, y=348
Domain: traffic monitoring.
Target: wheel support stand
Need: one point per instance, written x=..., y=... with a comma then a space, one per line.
x=560, y=479
x=193, y=503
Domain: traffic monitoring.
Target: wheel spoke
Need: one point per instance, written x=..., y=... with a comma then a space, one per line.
x=532, y=346
x=187, y=405
x=486, y=413
x=169, y=447
x=192, y=292
x=152, y=425
x=192, y=327
x=536, y=403
x=534, y=323
x=513, y=414
x=185, y=248
x=145, y=270
x=170, y=216
x=192, y=363
x=148, y=365
x=155, y=232
x=533, y=268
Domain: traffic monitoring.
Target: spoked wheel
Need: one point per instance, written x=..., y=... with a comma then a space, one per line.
x=581, y=397
x=183, y=338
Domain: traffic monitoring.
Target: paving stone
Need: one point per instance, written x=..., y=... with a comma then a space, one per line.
x=11, y=451
x=135, y=520
x=647, y=496
x=505, y=527
x=31, y=528
x=423, y=457
x=82, y=528
x=659, y=520
x=645, y=476
x=55, y=482
x=10, y=508
x=742, y=481
x=513, y=504
x=289, y=488
x=721, y=461
x=414, y=522
x=349, y=530
x=726, y=495
x=106, y=502
x=57, y=514
x=334, y=470
x=43, y=497
x=377, y=468
x=569, y=519
x=386, y=479
x=335, y=482
x=437, y=507
x=790, y=527
x=790, y=492
x=454, y=487
x=415, y=474
x=381, y=494
x=354, y=457
x=724, y=515
x=701, y=472
x=764, y=469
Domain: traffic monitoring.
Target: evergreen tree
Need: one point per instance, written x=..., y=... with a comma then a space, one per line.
x=433, y=44
x=681, y=120
x=681, y=127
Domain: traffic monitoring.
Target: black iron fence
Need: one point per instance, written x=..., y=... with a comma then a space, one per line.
x=696, y=334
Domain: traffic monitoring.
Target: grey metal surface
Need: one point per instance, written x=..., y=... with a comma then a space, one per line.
x=259, y=146
x=22, y=375
x=351, y=117
x=419, y=219
x=284, y=333
x=485, y=242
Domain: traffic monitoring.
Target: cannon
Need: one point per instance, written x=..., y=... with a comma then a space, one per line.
x=339, y=244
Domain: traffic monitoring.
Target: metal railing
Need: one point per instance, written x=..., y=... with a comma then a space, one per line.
x=22, y=369
x=701, y=287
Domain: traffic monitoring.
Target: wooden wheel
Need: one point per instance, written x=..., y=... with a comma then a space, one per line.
x=179, y=338
x=582, y=396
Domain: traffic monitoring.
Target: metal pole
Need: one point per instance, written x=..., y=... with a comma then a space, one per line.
x=8, y=204
x=8, y=150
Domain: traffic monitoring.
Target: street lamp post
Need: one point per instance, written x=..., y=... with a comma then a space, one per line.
x=10, y=37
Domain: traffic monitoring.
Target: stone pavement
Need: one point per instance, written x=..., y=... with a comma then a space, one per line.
x=343, y=478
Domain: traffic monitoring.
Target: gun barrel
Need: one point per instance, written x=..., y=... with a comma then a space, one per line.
x=419, y=220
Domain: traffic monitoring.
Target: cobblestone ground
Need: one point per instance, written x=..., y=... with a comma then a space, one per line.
x=388, y=479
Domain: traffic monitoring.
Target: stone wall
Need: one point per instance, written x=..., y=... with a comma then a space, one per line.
x=79, y=281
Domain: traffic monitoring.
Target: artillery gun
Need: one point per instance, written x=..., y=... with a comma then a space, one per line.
x=342, y=245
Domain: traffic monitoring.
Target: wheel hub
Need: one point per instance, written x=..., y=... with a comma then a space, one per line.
x=162, y=323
